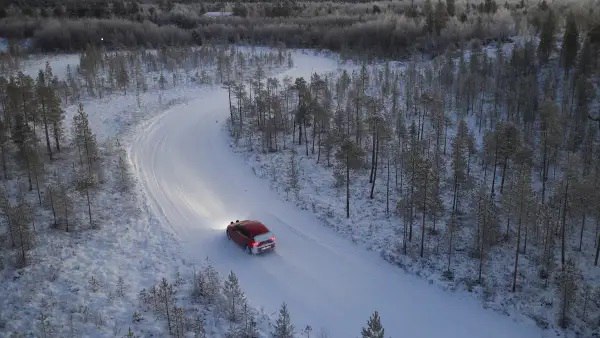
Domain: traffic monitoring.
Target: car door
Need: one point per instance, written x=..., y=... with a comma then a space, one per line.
x=244, y=236
x=238, y=235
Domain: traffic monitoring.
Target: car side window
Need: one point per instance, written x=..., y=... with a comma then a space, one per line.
x=242, y=230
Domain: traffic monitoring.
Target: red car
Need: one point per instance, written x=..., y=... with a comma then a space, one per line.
x=253, y=236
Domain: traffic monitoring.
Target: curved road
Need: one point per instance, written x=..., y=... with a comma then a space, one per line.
x=197, y=185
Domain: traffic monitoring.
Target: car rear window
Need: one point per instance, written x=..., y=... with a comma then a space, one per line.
x=263, y=237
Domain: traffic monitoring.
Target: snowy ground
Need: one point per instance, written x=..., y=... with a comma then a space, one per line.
x=197, y=185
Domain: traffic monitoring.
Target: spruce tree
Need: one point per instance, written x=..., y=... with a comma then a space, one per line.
x=570, y=44
x=374, y=328
x=567, y=291
x=451, y=7
x=547, y=38
x=41, y=91
x=283, y=326
x=84, y=140
x=235, y=300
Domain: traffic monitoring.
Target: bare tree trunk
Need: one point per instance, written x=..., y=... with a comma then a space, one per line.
x=481, y=246
x=52, y=204
x=503, y=174
x=372, y=159
x=424, y=213
x=37, y=186
x=375, y=164
x=357, y=119
x=544, y=169
x=451, y=228
x=29, y=172
x=495, y=165
x=66, y=213
x=597, y=251
x=23, y=256
x=514, y=286
x=319, y=145
x=305, y=138
x=387, y=188
x=581, y=234
x=87, y=195
x=563, y=227
x=167, y=311
x=347, y=185
x=4, y=169
x=45, y=120
x=10, y=228
x=230, y=105
x=314, y=134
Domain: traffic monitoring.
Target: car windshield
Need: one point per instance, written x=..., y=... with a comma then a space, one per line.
x=263, y=237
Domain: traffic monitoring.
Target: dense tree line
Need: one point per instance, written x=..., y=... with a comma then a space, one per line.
x=492, y=151
x=390, y=29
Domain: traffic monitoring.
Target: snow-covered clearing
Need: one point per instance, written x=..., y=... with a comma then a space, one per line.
x=196, y=185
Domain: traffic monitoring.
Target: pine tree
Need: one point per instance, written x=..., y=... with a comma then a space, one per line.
x=283, y=326
x=429, y=16
x=570, y=44
x=22, y=219
x=165, y=301
x=487, y=227
x=523, y=200
x=374, y=328
x=451, y=7
x=585, y=61
x=42, y=95
x=125, y=179
x=207, y=285
x=235, y=300
x=198, y=328
x=293, y=177
x=440, y=16
x=55, y=114
x=547, y=38
x=350, y=155
x=84, y=183
x=85, y=141
x=122, y=76
x=567, y=283
x=508, y=143
x=249, y=327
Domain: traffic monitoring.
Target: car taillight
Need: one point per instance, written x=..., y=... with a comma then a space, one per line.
x=272, y=238
x=253, y=244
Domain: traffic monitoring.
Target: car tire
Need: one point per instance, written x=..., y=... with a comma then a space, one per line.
x=248, y=250
x=228, y=236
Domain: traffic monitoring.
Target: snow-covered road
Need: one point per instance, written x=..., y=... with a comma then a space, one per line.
x=197, y=185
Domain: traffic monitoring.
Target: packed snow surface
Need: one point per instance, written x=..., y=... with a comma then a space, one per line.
x=197, y=185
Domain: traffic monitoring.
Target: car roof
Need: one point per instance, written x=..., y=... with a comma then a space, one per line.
x=254, y=227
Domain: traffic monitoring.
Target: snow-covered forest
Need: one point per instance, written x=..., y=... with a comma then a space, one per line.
x=458, y=140
x=77, y=239
x=478, y=169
